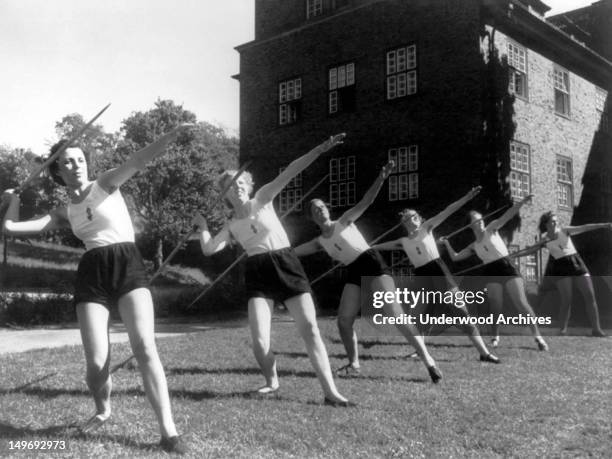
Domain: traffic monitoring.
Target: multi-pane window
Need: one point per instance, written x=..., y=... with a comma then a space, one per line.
x=517, y=60
x=291, y=194
x=289, y=96
x=531, y=268
x=401, y=72
x=561, y=84
x=520, y=181
x=565, y=195
x=342, y=181
x=404, y=178
x=341, y=88
x=400, y=266
x=314, y=8
x=601, y=105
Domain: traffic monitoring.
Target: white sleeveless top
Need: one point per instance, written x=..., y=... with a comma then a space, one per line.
x=562, y=246
x=101, y=219
x=345, y=244
x=261, y=231
x=491, y=247
x=422, y=248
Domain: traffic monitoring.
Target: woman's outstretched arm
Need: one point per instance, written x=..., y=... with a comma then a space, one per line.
x=308, y=248
x=368, y=198
x=451, y=209
x=55, y=219
x=390, y=245
x=269, y=191
x=209, y=244
x=498, y=223
x=114, y=178
x=458, y=256
x=571, y=230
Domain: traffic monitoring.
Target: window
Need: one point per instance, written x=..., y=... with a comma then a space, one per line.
x=601, y=106
x=289, y=96
x=565, y=195
x=291, y=194
x=400, y=266
x=517, y=60
x=531, y=268
x=342, y=88
x=342, y=181
x=401, y=72
x=404, y=178
x=520, y=175
x=562, y=91
x=314, y=8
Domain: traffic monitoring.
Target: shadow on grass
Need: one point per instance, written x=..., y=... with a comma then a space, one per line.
x=296, y=355
x=65, y=432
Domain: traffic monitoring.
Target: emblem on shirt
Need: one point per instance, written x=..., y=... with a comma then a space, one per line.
x=254, y=229
x=89, y=214
x=338, y=247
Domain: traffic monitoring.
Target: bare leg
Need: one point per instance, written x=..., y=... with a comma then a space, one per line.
x=585, y=286
x=410, y=332
x=516, y=291
x=136, y=310
x=260, y=322
x=302, y=309
x=347, y=313
x=495, y=294
x=564, y=285
x=93, y=322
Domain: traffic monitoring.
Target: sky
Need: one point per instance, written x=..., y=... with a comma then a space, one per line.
x=75, y=56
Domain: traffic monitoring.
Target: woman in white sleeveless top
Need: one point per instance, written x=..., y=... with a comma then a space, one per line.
x=566, y=268
x=110, y=274
x=273, y=271
x=499, y=273
x=344, y=243
x=430, y=270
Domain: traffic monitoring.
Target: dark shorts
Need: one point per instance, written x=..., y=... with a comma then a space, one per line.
x=369, y=263
x=571, y=265
x=107, y=273
x=432, y=276
x=276, y=275
x=498, y=271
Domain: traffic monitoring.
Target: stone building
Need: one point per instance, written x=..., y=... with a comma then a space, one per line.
x=459, y=92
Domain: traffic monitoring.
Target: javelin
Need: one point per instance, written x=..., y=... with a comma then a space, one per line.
x=337, y=265
x=193, y=229
x=239, y=259
x=470, y=224
x=60, y=150
x=518, y=254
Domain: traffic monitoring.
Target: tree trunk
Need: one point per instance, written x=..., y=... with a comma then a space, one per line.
x=159, y=254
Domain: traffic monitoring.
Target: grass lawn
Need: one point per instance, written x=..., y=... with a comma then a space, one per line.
x=534, y=404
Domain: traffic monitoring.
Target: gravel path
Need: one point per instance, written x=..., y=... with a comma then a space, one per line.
x=26, y=340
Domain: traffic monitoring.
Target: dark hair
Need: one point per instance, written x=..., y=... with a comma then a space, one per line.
x=54, y=166
x=312, y=202
x=544, y=219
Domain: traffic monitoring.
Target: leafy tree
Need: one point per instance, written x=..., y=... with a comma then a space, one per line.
x=164, y=197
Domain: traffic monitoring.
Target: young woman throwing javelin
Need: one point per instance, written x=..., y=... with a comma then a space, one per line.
x=567, y=269
x=111, y=273
x=499, y=272
x=273, y=271
x=343, y=241
x=432, y=274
